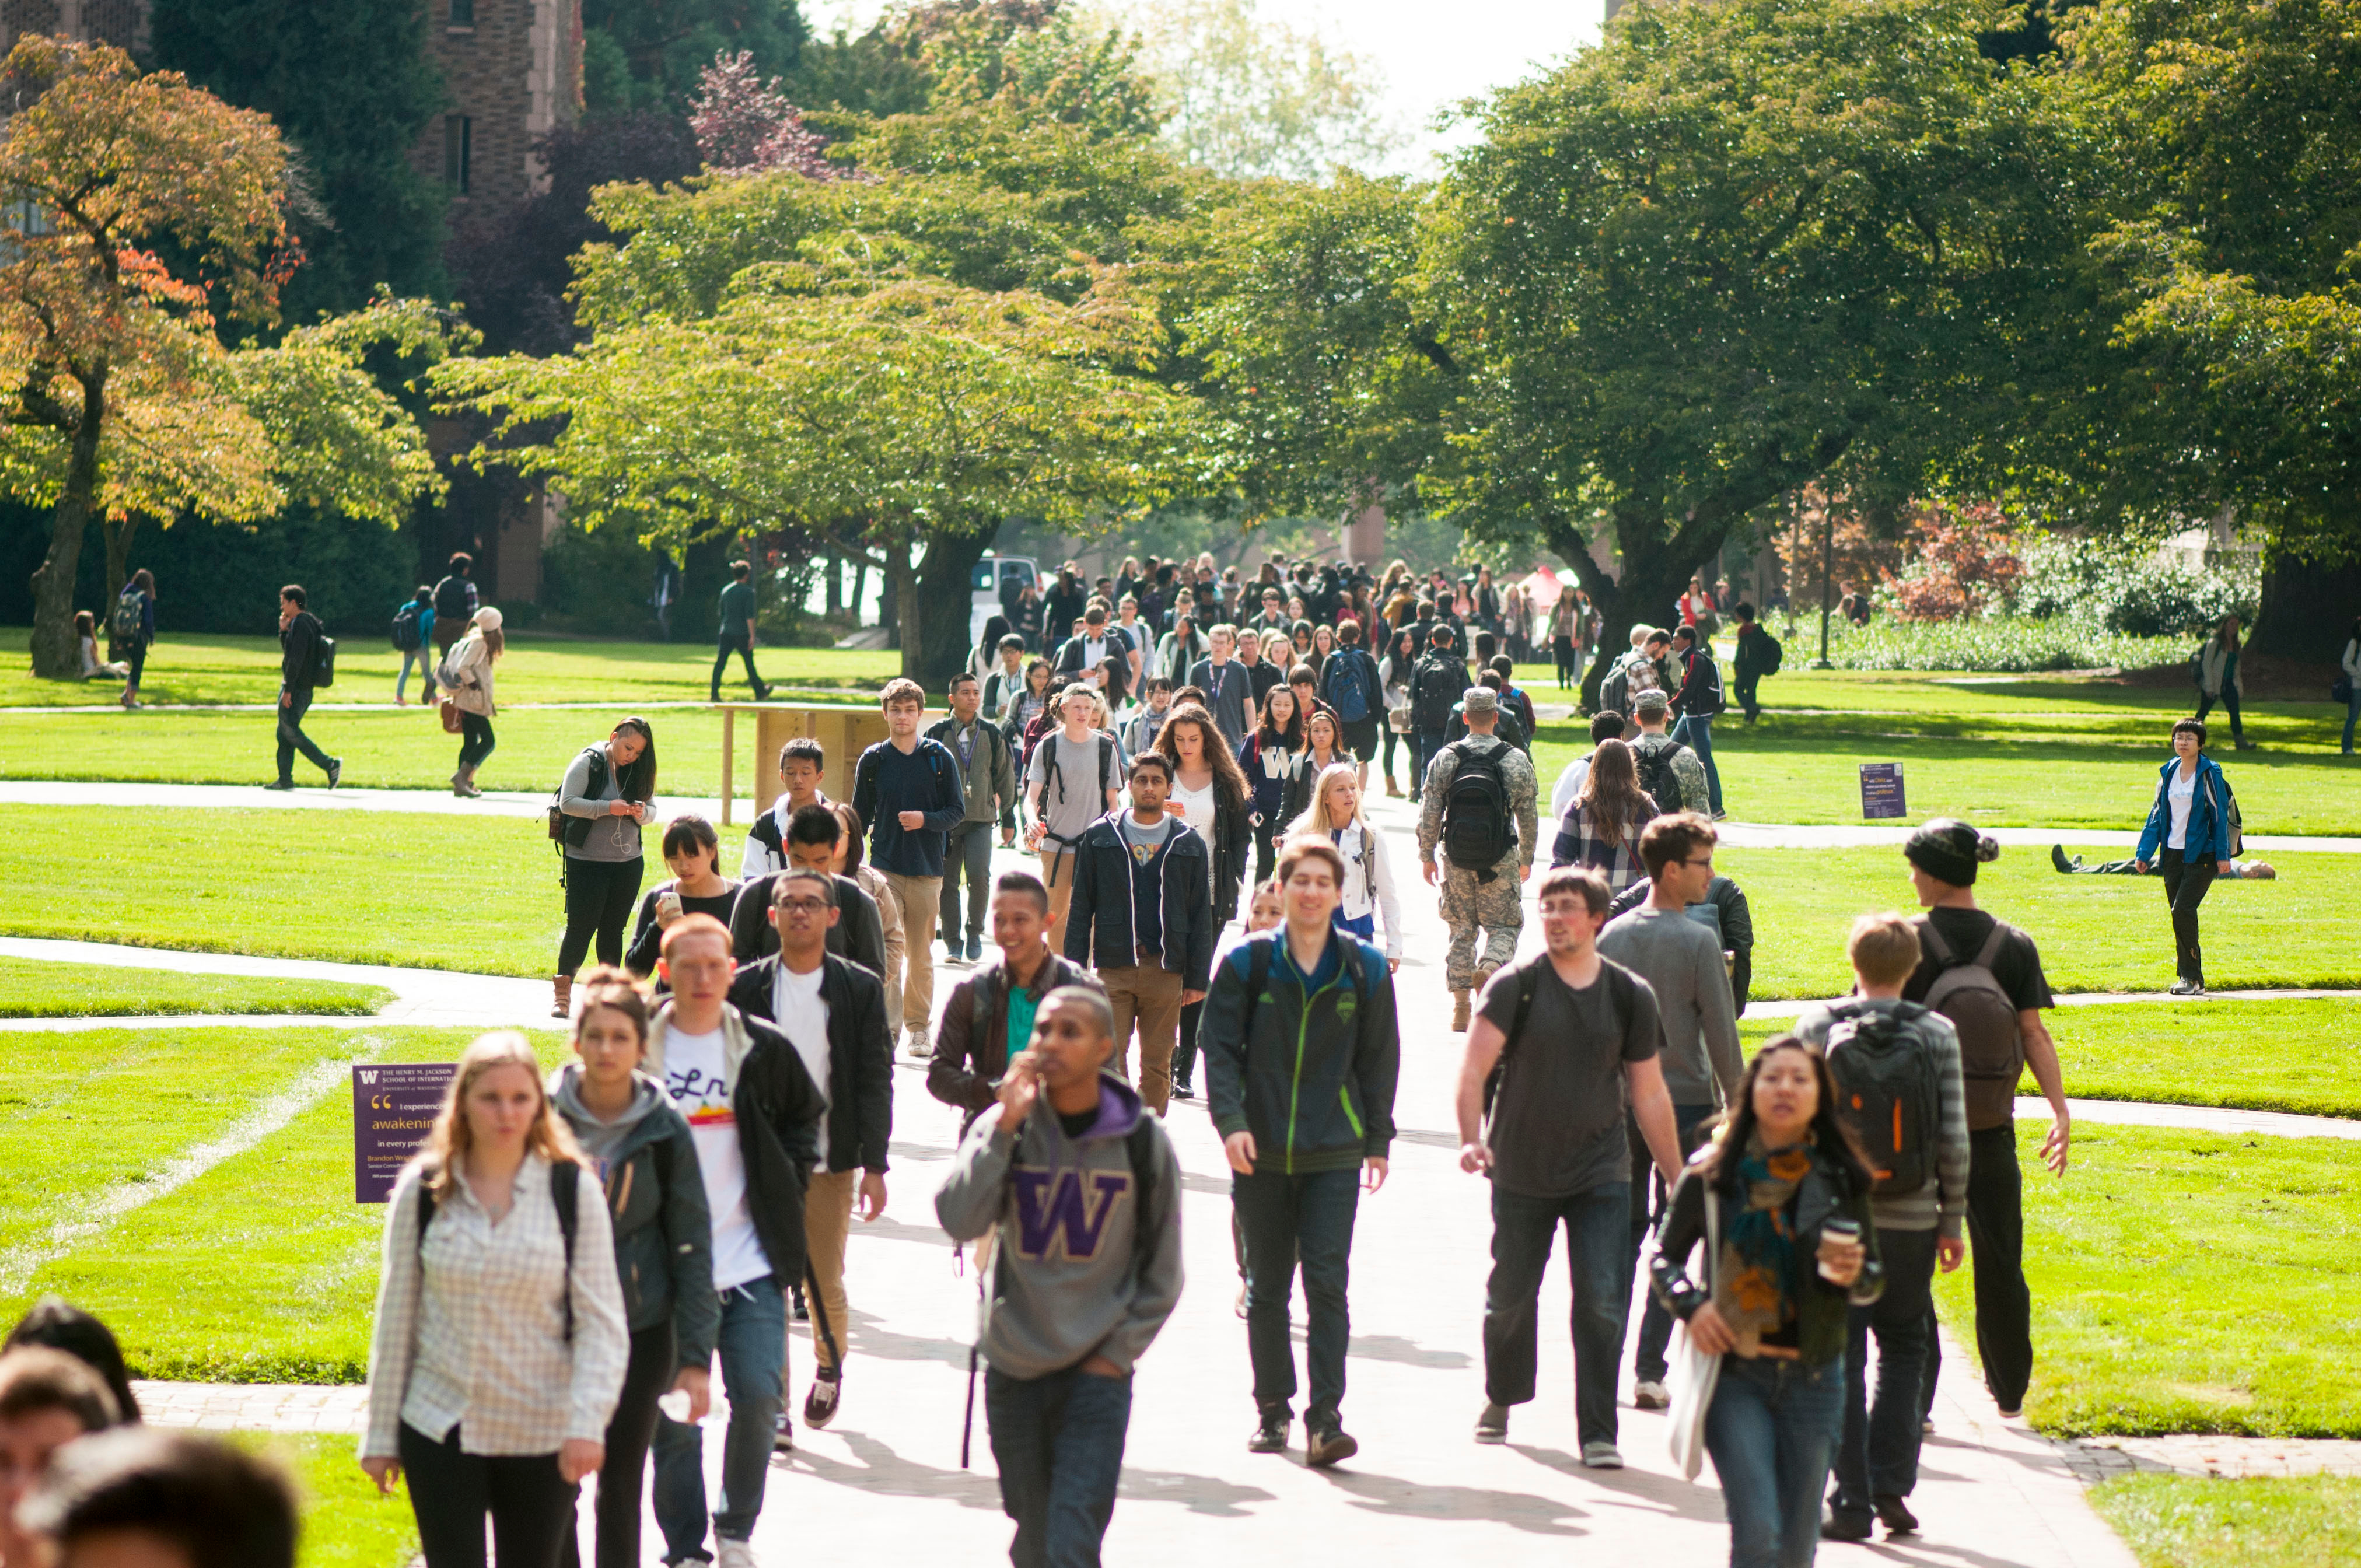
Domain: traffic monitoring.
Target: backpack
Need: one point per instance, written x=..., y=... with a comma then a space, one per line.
x=1701, y=693
x=2237, y=823
x=1887, y=1096
x=1436, y=688
x=1349, y=698
x=575, y=830
x=322, y=673
x=1476, y=829
x=451, y=597
x=131, y=606
x=565, y=1190
x=1656, y=775
x=1770, y=656
x=406, y=638
x=1992, y=1045
x=1050, y=773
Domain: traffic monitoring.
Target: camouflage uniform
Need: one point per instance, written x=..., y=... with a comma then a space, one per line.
x=1494, y=910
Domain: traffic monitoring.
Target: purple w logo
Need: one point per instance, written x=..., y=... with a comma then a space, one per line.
x=1049, y=1204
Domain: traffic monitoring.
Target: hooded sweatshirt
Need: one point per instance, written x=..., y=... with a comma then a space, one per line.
x=646, y=1162
x=1071, y=1276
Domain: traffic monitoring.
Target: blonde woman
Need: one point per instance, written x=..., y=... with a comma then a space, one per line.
x=1369, y=893
x=466, y=676
x=500, y=1350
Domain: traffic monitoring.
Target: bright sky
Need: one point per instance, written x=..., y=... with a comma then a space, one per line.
x=1429, y=55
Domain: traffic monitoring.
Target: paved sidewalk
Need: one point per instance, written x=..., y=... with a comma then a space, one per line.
x=2096, y=1459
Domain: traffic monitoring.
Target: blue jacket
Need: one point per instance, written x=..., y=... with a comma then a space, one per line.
x=2208, y=813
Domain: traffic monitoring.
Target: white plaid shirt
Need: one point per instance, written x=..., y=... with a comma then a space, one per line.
x=1579, y=844
x=476, y=1338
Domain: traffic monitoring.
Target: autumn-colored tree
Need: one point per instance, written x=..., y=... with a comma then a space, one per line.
x=1827, y=549
x=1963, y=559
x=110, y=373
x=744, y=124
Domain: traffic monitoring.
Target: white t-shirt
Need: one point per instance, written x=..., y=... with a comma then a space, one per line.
x=1569, y=785
x=1075, y=801
x=802, y=1016
x=2179, y=796
x=1196, y=808
x=694, y=1077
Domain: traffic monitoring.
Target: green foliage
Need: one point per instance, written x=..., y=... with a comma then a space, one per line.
x=1990, y=643
x=2128, y=590
x=2280, y=1521
x=645, y=54
x=35, y=988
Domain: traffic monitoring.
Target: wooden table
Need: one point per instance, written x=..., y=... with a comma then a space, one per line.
x=843, y=730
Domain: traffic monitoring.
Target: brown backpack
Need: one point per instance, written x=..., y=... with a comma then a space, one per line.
x=1991, y=1043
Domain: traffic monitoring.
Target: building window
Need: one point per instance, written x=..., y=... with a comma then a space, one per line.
x=457, y=132
x=463, y=13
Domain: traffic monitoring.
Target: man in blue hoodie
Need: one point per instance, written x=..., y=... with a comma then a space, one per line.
x=1301, y=1055
x=1078, y=1190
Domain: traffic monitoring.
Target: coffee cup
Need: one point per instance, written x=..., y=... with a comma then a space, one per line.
x=1841, y=1232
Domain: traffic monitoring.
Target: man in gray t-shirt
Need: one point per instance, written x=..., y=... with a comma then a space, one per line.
x=1586, y=1045
x=1063, y=787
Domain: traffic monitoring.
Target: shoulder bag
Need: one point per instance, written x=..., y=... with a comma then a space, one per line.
x=1694, y=1373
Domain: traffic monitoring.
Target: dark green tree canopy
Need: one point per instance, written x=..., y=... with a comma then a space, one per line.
x=645, y=54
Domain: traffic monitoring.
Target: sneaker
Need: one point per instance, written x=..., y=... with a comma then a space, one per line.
x=335, y=771
x=1330, y=1445
x=2013, y=1415
x=1721, y=816
x=1601, y=1456
x=1895, y=1515
x=1847, y=1524
x=915, y=1045
x=1270, y=1435
x=975, y=949
x=2057, y=861
x=735, y=1554
x=282, y=783
x=1183, y=1092
x=2185, y=988
x=2244, y=745
x=820, y=1405
x=783, y=1441
x=1492, y=1425
x=1648, y=1394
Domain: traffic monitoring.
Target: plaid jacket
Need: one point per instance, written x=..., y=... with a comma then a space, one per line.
x=1579, y=844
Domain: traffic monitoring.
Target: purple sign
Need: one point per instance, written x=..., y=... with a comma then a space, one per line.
x=394, y=1107
x=1880, y=790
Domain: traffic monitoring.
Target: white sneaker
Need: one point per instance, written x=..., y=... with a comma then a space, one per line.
x=1601, y=1456
x=1649, y=1395
x=735, y=1554
x=917, y=1045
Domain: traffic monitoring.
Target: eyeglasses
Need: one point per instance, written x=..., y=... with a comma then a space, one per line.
x=1707, y=862
x=805, y=906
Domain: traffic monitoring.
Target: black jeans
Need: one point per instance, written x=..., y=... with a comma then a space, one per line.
x=1184, y=1050
x=1878, y=1454
x=743, y=646
x=598, y=898
x=2229, y=699
x=1647, y=1207
x=1294, y=1221
x=1743, y=688
x=2185, y=884
x=1423, y=746
x=476, y=738
x=138, y=656
x=1996, y=1251
x=450, y=1492
x=292, y=705
x=1265, y=848
x=1561, y=650
x=967, y=854
x=1597, y=1260
x=622, y=1478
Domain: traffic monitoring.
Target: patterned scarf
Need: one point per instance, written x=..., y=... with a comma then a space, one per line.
x=1755, y=1288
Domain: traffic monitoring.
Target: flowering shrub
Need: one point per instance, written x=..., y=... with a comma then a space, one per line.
x=1963, y=561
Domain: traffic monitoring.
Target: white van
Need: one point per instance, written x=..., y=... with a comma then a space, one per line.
x=993, y=577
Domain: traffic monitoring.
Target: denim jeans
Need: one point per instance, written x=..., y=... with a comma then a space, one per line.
x=1770, y=1429
x=753, y=1346
x=1597, y=1257
x=1292, y=1220
x=424, y=658
x=967, y=856
x=292, y=704
x=1058, y=1442
x=1647, y=1200
x=2352, y=710
x=1696, y=732
x=1877, y=1456
x=1424, y=744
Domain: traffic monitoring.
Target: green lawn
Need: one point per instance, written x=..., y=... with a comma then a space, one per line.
x=2175, y=1521
x=2188, y=1282
x=257, y=1268
x=345, y=1523
x=195, y=667
x=35, y=988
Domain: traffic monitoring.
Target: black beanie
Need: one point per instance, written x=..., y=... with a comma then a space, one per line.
x=1950, y=850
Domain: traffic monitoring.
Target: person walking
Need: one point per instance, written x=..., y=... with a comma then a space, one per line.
x=1724, y=911
x=466, y=674
x=646, y=1159
x=756, y=1113
x=1272, y=759
x=1607, y=725
x=1354, y=691
x=1208, y=794
x=833, y=1012
x=455, y=603
x=803, y=763
x=988, y=778
x=1601, y=828
x=1401, y=657
x=1477, y=809
x=1565, y=636
x=1144, y=904
x=132, y=631
x=1074, y=1306
x=1670, y=772
x=1758, y=655
x=911, y=791
x=846, y=864
x=2349, y=665
x=1697, y=700
x=1227, y=684
x=1574, y=1038
x=1323, y=748
x=605, y=802
x=1331, y=810
x=995, y=1007
x=1303, y=1051
x=818, y=839
x=1437, y=683
x=1895, y=1067
x=499, y=1347
x=734, y=630
x=2187, y=838
x=1783, y=1203
x=1680, y=960
x=2214, y=668
x=1069, y=783
x=300, y=659
x=1985, y=976
x=692, y=850
x=413, y=636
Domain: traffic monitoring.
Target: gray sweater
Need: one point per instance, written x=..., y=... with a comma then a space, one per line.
x=1942, y=1203
x=1069, y=1278
x=1681, y=963
x=611, y=837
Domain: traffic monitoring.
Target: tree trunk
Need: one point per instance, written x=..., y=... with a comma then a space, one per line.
x=890, y=598
x=835, y=569
x=860, y=586
x=945, y=586
x=118, y=554
x=902, y=604
x=1657, y=565
x=2307, y=610
x=55, y=657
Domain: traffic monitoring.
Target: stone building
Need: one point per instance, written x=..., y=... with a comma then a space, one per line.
x=514, y=74
x=123, y=22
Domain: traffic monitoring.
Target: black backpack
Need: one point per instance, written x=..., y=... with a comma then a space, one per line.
x=406, y=638
x=1701, y=688
x=1655, y=763
x=1477, y=827
x=565, y=1189
x=322, y=673
x=451, y=597
x=1886, y=1093
x=1436, y=688
x=1770, y=655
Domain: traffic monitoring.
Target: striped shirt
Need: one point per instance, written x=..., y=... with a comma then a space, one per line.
x=1942, y=1203
x=471, y=1325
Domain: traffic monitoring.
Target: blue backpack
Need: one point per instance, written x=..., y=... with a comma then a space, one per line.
x=1349, y=696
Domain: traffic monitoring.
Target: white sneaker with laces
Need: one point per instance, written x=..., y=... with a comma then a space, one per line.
x=917, y=1045
x=735, y=1554
x=1601, y=1456
x=1649, y=1395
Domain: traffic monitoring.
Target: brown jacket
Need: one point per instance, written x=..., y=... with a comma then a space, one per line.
x=971, y=1047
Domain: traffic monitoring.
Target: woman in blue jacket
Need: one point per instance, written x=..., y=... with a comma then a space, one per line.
x=2187, y=839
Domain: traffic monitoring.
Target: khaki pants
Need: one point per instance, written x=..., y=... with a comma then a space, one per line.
x=921, y=900
x=1150, y=994
x=828, y=1215
x=1057, y=868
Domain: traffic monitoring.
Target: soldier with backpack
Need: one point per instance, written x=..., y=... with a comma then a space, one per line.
x=1669, y=771
x=1985, y=976
x=1565, y=1039
x=1697, y=701
x=1437, y=682
x=1479, y=809
x=1896, y=1066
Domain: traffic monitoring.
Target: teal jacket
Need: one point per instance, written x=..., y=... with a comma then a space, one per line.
x=1309, y=1065
x=2208, y=814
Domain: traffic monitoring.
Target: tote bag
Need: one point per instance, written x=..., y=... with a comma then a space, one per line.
x=1694, y=1373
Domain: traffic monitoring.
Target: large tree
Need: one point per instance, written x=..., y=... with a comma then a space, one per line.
x=641, y=55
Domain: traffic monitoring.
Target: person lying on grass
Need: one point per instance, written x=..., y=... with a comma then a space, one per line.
x=2236, y=871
